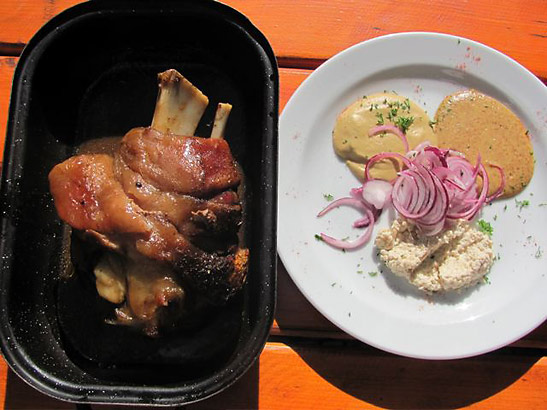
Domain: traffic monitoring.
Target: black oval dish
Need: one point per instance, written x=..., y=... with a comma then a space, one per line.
x=90, y=73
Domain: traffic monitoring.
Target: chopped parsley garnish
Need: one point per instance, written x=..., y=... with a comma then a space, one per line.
x=333, y=284
x=539, y=253
x=486, y=279
x=392, y=114
x=328, y=197
x=404, y=123
x=359, y=272
x=380, y=117
x=432, y=123
x=485, y=227
x=318, y=237
x=373, y=273
x=522, y=204
x=505, y=208
x=406, y=104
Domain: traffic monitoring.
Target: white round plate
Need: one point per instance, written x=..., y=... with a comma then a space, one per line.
x=383, y=310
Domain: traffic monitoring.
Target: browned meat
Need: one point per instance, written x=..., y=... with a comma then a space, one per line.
x=87, y=196
x=185, y=165
x=164, y=206
x=201, y=221
x=125, y=212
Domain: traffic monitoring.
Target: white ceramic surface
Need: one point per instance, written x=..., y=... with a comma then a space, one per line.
x=383, y=310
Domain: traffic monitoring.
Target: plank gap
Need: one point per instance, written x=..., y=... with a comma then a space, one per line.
x=11, y=49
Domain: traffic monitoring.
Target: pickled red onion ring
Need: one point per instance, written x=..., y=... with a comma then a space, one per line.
x=499, y=191
x=389, y=128
x=340, y=244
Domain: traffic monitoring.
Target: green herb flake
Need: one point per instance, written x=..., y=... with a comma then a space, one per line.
x=318, y=238
x=333, y=284
x=432, y=123
x=372, y=273
x=406, y=104
x=359, y=272
x=486, y=279
x=505, y=208
x=495, y=218
x=485, y=227
x=328, y=197
x=380, y=118
x=404, y=123
x=539, y=253
x=522, y=204
x=543, y=204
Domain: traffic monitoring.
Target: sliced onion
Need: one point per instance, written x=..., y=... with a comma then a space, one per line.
x=499, y=191
x=384, y=155
x=435, y=185
x=377, y=192
x=392, y=129
x=339, y=244
x=343, y=201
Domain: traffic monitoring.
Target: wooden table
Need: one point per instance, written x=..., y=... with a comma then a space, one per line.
x=309, y=363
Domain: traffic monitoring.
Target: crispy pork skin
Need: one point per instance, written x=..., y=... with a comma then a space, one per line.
x=185, y=165
x=156, y=215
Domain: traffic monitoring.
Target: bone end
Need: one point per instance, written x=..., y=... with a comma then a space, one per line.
x=180, y=105
x=221, y=118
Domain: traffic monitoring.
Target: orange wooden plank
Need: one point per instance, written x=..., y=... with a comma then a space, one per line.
x=21, y=19
x=315, y=30
x=289, y=80
x=7, y=67
x=348, y=377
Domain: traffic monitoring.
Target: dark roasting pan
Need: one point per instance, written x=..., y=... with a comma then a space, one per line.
x=91, y=73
